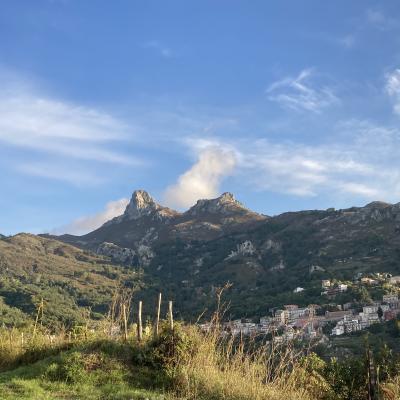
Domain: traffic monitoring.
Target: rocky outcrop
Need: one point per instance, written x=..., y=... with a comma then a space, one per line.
x=121, y=255
x=224, y=205
x=243, y=249
x=143, y=205
x=140, y=256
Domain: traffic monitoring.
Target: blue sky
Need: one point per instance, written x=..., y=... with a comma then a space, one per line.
x=289, y=105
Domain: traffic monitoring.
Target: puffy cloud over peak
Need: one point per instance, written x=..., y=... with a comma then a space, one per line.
x=203, y=179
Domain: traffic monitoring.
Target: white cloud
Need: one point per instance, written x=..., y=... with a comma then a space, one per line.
x=301, y=94
x=68, y=137
x=65, y=173
x=203, y=179
x=349, y=169
x=52, y=126
x=361, y=164
x=392, y=88
x=359, y=189
x=89, y=223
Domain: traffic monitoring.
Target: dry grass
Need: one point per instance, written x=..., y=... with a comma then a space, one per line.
x=220, y=369
x=391, y=389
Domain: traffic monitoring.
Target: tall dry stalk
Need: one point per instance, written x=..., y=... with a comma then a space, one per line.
x=237, y=368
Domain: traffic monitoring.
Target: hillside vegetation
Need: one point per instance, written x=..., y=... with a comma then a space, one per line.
x=72, y=282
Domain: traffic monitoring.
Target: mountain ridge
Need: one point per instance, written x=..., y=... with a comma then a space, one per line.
x=187, y=255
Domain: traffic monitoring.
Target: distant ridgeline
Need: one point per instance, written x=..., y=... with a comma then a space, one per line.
x=270, y=261
x=188, y=255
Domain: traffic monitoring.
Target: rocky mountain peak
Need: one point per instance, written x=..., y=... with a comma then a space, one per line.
x=377, y=204
x=224, y=204
x=141, y=204
x=227, y=197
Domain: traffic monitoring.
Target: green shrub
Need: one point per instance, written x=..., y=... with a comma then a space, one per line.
x=70, y=369
x=167, y=350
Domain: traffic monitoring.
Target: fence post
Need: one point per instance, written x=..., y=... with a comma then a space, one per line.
x=170, y=315
x=140, y=327
x=40, y=309
x=372, y=393
x=125, y=322
x=158, y=314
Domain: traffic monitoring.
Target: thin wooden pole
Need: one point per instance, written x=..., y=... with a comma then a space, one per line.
x=372, y=394
x=40, y=308
x=158, y=314
x=125, y=322
x=140, y=327
x=171, y=316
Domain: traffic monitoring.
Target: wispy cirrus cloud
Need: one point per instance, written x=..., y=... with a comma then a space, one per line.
x=301, y=93
x=67, y=136
x=60, y=172
x=53, y=126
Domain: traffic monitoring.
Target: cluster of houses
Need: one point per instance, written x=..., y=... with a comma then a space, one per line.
x=371, y=314
x=307, y=322
x=294, y=321
x=332, y=290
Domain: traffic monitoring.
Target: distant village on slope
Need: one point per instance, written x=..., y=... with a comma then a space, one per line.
x=294, y=322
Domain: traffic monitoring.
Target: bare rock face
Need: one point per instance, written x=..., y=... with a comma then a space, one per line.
x=243, y=249
x=118, y=254
x=224, y=205
x=141, y=204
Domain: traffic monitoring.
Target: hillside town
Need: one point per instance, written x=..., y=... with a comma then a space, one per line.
x=293, y=321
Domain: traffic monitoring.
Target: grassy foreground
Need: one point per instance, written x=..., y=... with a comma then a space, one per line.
x=176, y=365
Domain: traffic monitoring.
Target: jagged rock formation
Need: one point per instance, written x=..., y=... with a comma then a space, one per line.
x=226, y=204
x=142, y=205
x=146, y=224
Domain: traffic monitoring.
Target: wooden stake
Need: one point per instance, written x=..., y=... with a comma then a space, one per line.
x=170, y=315
x=40, y=308
x=158, y=314
x=125, y=322
x=140, y=327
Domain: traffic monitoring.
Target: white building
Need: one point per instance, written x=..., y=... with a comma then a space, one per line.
x=342, y=287
x=338, y=329
x=370, y=309
x=390, y=298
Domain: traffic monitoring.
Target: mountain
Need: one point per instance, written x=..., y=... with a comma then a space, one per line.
x=131, y=237
x=68, y=279
x=187, y=255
